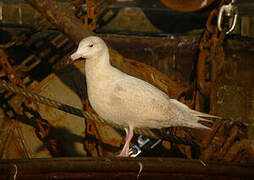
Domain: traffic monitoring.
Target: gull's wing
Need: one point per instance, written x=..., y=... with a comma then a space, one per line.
x=140, y=101
x=143, y=103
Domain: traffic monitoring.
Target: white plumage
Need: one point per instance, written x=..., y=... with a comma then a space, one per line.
x=126, y=100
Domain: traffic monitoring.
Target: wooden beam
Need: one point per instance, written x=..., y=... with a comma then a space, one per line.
x=63, y=19
x=123, y=168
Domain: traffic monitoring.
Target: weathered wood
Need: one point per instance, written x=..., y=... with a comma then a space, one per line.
x=123, y=168
x=66, y=22
x=62, y=18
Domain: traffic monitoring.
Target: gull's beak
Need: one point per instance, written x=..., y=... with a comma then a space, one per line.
x=75, y=56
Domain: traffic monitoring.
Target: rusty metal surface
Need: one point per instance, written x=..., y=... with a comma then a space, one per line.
x=45, y=141
x=15, y=128
x=211, y=53
x=124, y=168
x=210, y=64
x=48, y=138
x=187, y=5
x=90, y=11
x=12, y=141
x=68, y=129
x=173, y=56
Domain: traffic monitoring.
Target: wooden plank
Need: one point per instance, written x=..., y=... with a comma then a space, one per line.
x=124, y=168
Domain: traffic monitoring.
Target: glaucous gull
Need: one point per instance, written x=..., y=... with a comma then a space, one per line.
x=125, y=100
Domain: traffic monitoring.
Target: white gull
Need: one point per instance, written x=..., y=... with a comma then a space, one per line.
x=125, y=100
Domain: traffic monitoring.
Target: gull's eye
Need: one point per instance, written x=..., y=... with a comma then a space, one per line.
x=90, y=45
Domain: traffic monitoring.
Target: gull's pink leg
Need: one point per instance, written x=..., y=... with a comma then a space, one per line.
x=129, y=135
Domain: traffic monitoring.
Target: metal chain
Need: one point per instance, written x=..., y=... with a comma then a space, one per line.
x=211, y=52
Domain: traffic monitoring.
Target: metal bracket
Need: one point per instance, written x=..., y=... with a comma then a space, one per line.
x=229, y=10
x=142, y=143
x=135, y=150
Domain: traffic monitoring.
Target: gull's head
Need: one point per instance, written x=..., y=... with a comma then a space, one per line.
x=89, y=47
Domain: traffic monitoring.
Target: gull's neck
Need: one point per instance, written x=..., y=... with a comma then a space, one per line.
x=98, y=67
x=99, y=61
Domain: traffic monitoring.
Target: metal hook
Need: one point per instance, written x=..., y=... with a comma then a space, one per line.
x=231, y=11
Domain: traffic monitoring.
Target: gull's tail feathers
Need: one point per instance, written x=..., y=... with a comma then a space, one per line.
x=191, y=117
x=204, y=115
